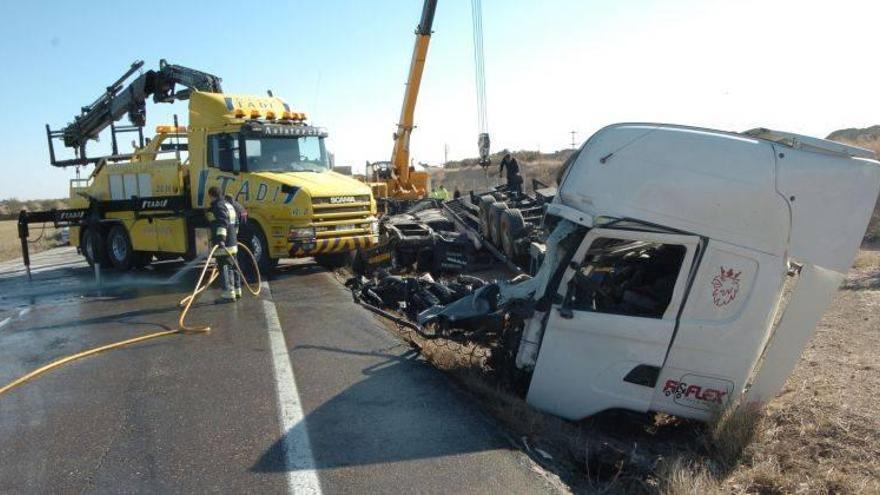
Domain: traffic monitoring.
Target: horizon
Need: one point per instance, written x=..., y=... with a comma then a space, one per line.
x=560, y=67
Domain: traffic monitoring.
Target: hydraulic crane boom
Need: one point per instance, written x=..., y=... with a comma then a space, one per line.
x=400, y=155
x=119, y=100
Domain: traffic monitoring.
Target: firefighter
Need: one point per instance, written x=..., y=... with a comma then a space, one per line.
x=514, y=178
x=241, y=216
x=224, y=235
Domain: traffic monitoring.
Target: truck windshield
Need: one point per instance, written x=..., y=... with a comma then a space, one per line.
x=285, y=154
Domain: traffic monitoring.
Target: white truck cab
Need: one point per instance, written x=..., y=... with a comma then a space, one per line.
x=704, y=262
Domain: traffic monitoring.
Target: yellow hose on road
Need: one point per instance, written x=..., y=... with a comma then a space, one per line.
x=186, y=303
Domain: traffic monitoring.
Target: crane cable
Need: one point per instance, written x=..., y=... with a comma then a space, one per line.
x=182, y=327
x=483, y=141
x=479, y=65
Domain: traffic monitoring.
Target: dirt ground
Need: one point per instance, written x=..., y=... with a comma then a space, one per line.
x=10, y=246
x=821, y=435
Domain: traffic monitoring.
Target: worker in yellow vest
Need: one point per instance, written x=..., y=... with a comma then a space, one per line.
x=440, y=193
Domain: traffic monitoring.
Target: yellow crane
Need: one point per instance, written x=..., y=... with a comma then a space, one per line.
x=396, y=181
x=396, y=184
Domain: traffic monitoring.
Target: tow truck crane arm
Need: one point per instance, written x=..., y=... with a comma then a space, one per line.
x=119, y=100
x=400, y=155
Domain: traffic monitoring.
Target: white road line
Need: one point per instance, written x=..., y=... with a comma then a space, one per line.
x=5, y=321
x=24, y=311
x=299, y=461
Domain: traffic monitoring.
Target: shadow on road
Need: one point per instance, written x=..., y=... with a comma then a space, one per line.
x=403, y=410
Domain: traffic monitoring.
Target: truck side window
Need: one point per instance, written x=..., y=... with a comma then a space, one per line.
x=627, y=277
x=223, y=152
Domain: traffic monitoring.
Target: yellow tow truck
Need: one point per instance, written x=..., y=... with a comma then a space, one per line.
x=150, y=204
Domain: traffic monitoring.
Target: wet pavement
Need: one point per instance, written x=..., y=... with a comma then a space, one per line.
x=360, y=412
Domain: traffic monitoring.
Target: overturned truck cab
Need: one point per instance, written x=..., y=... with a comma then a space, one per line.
x=687, y=268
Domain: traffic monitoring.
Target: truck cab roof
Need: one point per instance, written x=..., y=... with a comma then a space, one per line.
x=772, y=191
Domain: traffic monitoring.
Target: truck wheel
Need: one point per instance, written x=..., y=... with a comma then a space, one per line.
x=92, y=245
x=119, y=248
x=485, y=203
x=495, y=213
x=252, y=236
x=513, y=228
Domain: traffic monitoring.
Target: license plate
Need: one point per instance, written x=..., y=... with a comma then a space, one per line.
x=345, y=227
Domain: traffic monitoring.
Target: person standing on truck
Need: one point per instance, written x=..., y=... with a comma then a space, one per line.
x=514, y=178
x=224, y=235
x=442, y=193
x=241, y=217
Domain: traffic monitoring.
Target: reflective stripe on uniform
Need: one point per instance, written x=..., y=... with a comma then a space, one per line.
x=230, y=210
x=230, y=251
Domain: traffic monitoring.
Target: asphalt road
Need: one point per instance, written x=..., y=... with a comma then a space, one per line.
x=296, y=391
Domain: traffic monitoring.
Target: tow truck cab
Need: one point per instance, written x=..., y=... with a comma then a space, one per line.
x=689, y=267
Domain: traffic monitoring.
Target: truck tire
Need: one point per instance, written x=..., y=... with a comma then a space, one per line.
x=92, y=246
x=485, y=203
x=495, y=213
x=119, y=249
x=513, y=227
x=252, y=236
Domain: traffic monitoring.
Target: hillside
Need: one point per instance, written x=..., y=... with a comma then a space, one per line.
x=869, y=138
x=466, y=175
x=9, y=208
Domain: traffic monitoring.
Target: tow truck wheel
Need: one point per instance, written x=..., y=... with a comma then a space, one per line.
x=512, y=229
x=485, y=203
x=93, y=247
x=495, y=213
x=252, y=236
x=119, y=248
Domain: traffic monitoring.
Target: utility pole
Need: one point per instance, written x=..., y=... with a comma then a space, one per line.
x=573, y=144
x=445, y=154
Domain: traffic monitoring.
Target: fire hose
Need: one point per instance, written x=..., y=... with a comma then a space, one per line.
x=182, y=327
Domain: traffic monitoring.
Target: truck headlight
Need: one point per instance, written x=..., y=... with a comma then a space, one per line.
x=301, y=234
x=374, y=227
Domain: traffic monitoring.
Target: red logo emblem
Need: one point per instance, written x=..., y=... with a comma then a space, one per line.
x=725, y=287
x=683, y=390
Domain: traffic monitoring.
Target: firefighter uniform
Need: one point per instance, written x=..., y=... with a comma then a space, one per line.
x=225, y=236
x=240, y=219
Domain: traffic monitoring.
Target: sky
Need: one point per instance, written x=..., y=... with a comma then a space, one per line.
x=552, y=67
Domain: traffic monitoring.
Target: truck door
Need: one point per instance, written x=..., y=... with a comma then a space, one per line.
x=607, y=335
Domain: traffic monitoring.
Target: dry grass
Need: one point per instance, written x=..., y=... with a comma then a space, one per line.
x=678, y=476
x=10, y=246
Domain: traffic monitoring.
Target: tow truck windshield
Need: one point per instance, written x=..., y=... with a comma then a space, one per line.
x=285, y=154
x=233, y=153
